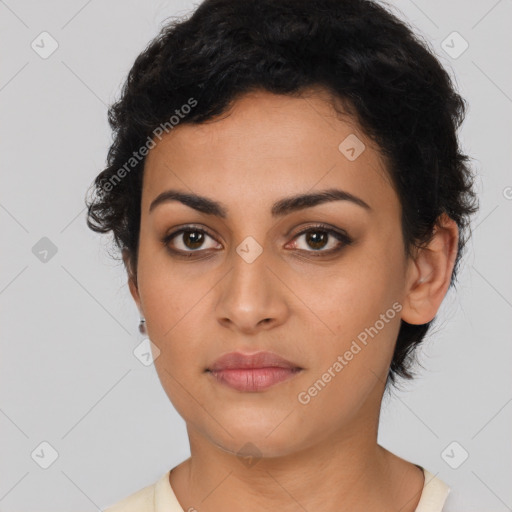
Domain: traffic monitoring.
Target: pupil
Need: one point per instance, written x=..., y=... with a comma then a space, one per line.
x=315, y=241
x=195, y=238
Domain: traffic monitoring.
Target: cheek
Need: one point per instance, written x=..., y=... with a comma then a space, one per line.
x=170, y=300
x=167, y=292
x=360, y=302
x=354, y=294
x=174, y=309
x=350, y=362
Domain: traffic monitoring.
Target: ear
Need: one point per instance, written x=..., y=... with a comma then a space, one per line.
x=429, y=273
x=132, y=280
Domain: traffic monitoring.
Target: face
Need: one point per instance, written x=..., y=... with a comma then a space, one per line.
x=319, y=283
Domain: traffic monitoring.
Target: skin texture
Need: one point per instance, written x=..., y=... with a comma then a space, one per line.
x=306, y=309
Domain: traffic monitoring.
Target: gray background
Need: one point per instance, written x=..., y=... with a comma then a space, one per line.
x=68, y=324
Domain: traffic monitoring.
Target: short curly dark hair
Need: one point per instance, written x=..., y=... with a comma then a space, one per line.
x=370, y=61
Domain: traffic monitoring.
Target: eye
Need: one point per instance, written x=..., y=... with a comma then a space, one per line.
x=321, y=239
x=318, y=240
x=188, y=240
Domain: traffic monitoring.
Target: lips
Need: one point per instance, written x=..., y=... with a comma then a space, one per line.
x=252, y=372
x=238, y=360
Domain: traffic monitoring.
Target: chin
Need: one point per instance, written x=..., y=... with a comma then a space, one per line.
x=261, y=438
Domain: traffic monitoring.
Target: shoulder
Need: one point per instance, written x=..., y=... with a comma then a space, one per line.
x=142, y=500
x=434, y=494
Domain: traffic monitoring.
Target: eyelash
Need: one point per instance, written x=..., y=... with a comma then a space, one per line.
x=343, y=238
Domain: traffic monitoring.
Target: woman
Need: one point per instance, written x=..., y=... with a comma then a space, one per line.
x=288, y=193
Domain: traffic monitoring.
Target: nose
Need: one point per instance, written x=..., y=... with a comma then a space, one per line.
x=252, y=297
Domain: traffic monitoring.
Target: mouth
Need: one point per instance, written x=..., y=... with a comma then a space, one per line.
x=252, y=372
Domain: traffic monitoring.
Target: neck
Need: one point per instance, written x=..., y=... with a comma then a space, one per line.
x=346, y=470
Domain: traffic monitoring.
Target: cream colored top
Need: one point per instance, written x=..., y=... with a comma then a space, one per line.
x=160, y=497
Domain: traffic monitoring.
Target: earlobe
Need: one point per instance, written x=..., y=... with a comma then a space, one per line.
x=430, y=273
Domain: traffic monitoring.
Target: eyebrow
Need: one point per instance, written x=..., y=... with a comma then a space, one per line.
x=280, y=208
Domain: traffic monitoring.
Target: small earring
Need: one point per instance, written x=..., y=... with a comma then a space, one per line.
x=142, y=326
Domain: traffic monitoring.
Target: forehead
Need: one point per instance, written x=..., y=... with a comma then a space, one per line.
x=267, y=146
